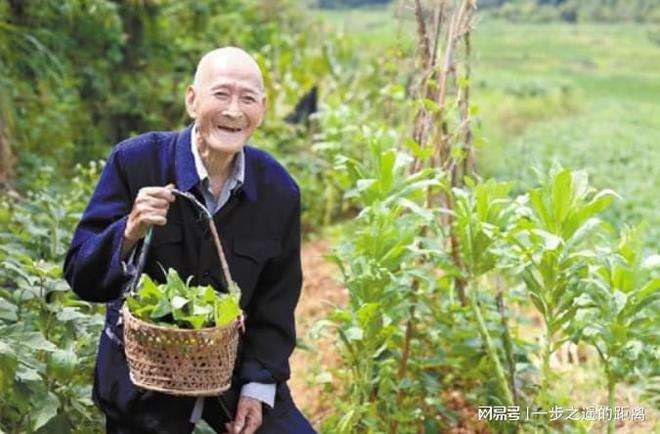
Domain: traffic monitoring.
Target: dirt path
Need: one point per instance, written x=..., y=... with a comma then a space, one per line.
x=321, y=290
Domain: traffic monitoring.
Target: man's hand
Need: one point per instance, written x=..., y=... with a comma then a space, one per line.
x=150, y=208
x=248, y=417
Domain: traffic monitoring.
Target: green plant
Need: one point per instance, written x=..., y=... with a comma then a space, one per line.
x=482, y=213
x=391, y=288
x=176, y=303
x=551, y=249
x=47, y=336
x=618, y=311
x=47, y=349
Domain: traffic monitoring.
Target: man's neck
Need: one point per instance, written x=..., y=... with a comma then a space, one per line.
x=218, y=165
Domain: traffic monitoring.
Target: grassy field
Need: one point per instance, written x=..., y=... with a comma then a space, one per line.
x=587, y=96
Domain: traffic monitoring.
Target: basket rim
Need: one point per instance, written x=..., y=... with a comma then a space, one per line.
x=126, y=310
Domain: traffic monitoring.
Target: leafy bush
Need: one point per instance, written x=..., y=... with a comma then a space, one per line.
x=551, y=248
x=618, y=311
x=62, y=101
x=48, y=338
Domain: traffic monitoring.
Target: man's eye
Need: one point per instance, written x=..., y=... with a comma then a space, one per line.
x=249, y=100
x=222, y=95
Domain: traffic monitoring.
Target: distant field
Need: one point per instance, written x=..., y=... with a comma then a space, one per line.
x=587, y=95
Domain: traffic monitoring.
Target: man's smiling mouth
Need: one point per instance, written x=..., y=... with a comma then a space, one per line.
x=229, y=129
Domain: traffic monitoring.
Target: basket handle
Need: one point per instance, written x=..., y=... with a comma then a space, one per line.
x=142, y=258
x=214, y=232
x=139, y=267
x=229, y=281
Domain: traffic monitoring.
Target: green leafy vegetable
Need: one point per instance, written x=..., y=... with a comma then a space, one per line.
x=176, y=303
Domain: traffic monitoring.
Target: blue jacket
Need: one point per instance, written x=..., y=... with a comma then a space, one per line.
x=260, y=232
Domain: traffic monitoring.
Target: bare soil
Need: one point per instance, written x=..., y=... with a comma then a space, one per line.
x=321, y=290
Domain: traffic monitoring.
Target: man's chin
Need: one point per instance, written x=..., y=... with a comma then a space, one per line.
x=226, y=147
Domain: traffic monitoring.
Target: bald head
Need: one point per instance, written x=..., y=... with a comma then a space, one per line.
x=226, y=100
x=232, y=60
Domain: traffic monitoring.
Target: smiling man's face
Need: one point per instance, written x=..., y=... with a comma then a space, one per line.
x=227, y=99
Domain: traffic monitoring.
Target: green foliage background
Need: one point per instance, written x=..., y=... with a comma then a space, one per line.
x=80, y=76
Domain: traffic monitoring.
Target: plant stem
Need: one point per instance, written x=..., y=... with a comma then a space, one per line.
x=611, y=402
x=423, y=34
x=508, y=345
x=403, y=366
x=464, y=105
x=490, y=348
x=545, y=363
x=454, y=244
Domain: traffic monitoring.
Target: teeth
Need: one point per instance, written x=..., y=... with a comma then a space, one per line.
x=233, y=130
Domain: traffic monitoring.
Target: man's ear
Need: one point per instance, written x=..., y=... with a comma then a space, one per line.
x=264, y=108
x=190, y=102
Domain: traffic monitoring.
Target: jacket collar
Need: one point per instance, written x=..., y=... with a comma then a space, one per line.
x=186, y=172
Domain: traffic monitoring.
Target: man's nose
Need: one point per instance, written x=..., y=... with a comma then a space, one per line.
x=233, y=110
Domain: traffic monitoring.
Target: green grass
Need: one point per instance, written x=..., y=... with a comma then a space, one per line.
x=372, y=27
x=587, y=96
x=596, y=107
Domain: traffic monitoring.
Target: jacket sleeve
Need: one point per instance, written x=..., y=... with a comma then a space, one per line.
x=93, y=265
x=270, y=336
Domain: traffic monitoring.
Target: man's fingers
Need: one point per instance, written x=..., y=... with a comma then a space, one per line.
x=147, y=210
x=150, y=209
x=239, y=421
x=151, y=216
x=250, y=421
x=154, y=202
x=253, y=423
x=155, y=220
x=160, y=192
x=159, y=207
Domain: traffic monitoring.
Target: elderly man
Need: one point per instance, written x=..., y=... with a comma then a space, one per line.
x=256, y=207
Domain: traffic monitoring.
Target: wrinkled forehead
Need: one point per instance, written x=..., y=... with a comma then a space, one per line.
x=230, y=71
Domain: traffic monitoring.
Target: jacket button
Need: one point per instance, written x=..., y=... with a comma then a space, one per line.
x=206, y=274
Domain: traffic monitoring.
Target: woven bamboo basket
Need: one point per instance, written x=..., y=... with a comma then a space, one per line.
x=178, y=361
x=181, y=361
